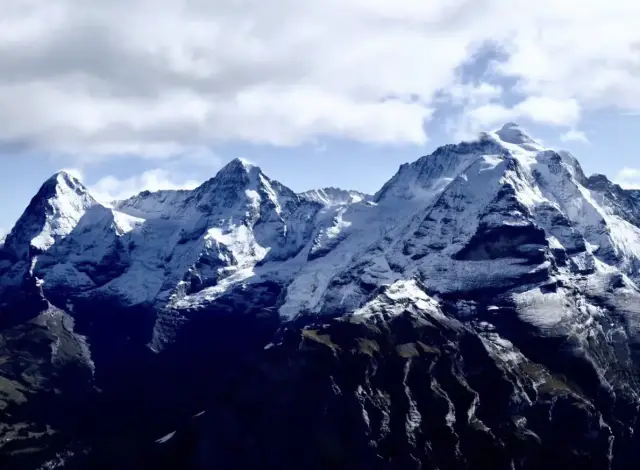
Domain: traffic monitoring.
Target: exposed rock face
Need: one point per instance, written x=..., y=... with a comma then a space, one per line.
x=481, y=310
x=51, y=215
x=410, y=382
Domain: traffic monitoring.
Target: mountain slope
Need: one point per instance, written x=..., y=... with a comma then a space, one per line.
x=482, y=308
x=52, y=214
x=334, y=196
x=184, y=249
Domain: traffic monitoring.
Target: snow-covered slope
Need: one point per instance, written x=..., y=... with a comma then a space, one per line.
x=156, y=246
x=489, y=214
x=490, y=287
x=334, y=196
x=494, y=214
x=52, y=214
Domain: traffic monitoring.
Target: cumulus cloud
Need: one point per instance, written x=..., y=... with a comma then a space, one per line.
x=573, y=135
x=111, y=188
x=546, y=110
x=480, y=116
x=628, y=178
x=470, y=94
x=182, y=171
x=157, y=78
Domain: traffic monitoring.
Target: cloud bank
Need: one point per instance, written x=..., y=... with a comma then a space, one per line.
x=110, y=188
x=158, y=78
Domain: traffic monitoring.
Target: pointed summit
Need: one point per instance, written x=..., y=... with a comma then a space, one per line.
x=67, y=177
x=237, y=172
x=60, y=182
x=248, y=166
x=51, y=215
x=238, y=166
x=512, y=133
x=235, y=175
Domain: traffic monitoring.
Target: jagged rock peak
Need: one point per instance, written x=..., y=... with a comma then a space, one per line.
x=66, y=189
x=238, y=166
x=600, y=182
x=52, y=214
x=59, y=183
x=237, y=173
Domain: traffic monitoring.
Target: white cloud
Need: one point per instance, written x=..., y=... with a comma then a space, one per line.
x=556, y=54
x=546, y=110
x=628, y=178
x=538, y=109
x=573, y=135
x=466, y=94
x=157, y=78
x=542, y=110
x=184, y=171
x=111, y=188
x=488, y=115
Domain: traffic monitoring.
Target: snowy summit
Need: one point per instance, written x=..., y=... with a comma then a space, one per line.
x=490, y=286
x=501, y=204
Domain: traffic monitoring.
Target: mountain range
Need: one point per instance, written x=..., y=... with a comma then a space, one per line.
x=481, y=310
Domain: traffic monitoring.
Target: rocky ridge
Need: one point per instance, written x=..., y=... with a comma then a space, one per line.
x=480, y=310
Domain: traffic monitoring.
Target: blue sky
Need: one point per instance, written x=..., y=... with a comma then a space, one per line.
x=146, y=95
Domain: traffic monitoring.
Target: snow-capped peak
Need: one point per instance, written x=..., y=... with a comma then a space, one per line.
x=60, y=184
x=238, y=166
x=52, y=214
x=428, y=176
x=237, y=174
x=65, y=178
x=500, y=204
x=511, y=133
x=239, y=182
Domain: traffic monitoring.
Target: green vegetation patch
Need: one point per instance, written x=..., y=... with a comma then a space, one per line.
x=546, y=382
x=368, y=347
x=314, y=335
x=408, y=350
